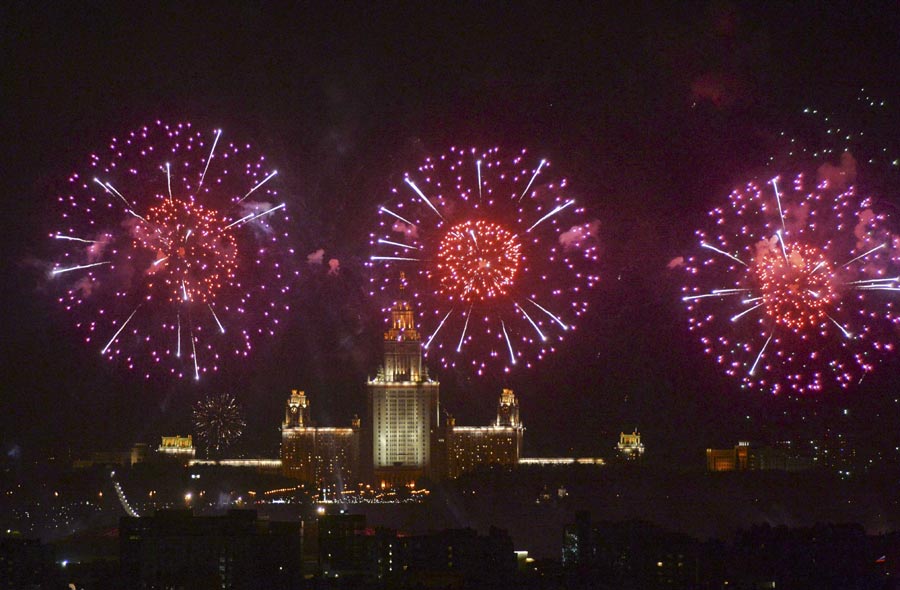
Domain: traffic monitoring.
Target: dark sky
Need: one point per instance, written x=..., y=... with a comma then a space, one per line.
x=652, y=110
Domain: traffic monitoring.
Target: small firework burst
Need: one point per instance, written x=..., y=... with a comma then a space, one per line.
x=218, y=422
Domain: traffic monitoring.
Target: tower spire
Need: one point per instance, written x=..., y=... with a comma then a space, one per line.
x=402, y=343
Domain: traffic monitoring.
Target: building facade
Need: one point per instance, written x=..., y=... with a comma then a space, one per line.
x=402, y=407
x=745, y=457
x=630, y=446
x=468, y=447
x=318, y=455
x=177, y=447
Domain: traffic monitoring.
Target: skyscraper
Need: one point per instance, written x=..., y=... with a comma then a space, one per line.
x=402, y=404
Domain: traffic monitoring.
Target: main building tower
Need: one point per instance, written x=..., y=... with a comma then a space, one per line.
x=402, y=406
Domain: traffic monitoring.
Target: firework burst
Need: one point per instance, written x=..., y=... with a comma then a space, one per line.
x=218, y=422
x=792, y=289
x=497, y=255
x=173, y=258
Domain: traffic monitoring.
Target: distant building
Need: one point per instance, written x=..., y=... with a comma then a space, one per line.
x=137, y=454
x=744, y=457
x=179, y=447
x=175, y=549
x=402, y=406
x=468, y=447
x=630, y=446
x=317, y=455
x=270, y=466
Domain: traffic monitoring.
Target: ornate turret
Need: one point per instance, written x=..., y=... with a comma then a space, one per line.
x=296, y=413
x=508, y=409
x=402, y=344
x=403, y=327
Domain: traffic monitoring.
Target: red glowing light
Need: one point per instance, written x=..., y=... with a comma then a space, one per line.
x=797, y=286
x=478, y=260
x=195, y=255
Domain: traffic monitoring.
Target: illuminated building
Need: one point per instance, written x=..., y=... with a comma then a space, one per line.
x=561, y=461
x=402, y=440
x=259, y=465
x=402, y=406
x=180, y=447
x=138, y=454
x=744, y=457
x=630, y=446
x=317, y=455
x=468, y=447
x=508, y=409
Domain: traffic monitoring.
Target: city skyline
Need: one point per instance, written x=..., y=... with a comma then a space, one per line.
x=605, y=97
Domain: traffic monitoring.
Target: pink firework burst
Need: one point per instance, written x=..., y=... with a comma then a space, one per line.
x=173, y=258
x=793, y=288
x=495, y=252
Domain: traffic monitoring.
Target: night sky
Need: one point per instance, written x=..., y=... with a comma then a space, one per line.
x=652, y=111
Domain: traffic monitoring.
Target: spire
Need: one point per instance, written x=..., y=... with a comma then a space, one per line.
x=402, y=343
x=403, y=328
x=508, y=409
x=296, y=414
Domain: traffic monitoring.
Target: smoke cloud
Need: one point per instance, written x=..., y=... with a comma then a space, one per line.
x=334, y=266
x=765, y=247
x=409, y=231
x=861, y=230
x=316, y=257
x=578, y=234
x=840, y=176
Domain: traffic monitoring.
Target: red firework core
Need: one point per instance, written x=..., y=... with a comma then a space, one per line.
x=194, y=253
x=797, y=285
x=478, y=260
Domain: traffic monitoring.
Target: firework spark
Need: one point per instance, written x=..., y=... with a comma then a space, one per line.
x=784, y=295
x=218, y=422
x=161, y=233
x=498, y=257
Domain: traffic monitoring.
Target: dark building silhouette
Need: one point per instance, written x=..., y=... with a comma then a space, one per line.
x=175, y=549
x=633, y=554
x=453, y=558
x=25, y=564
x=344, y=545
x=640, y=555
